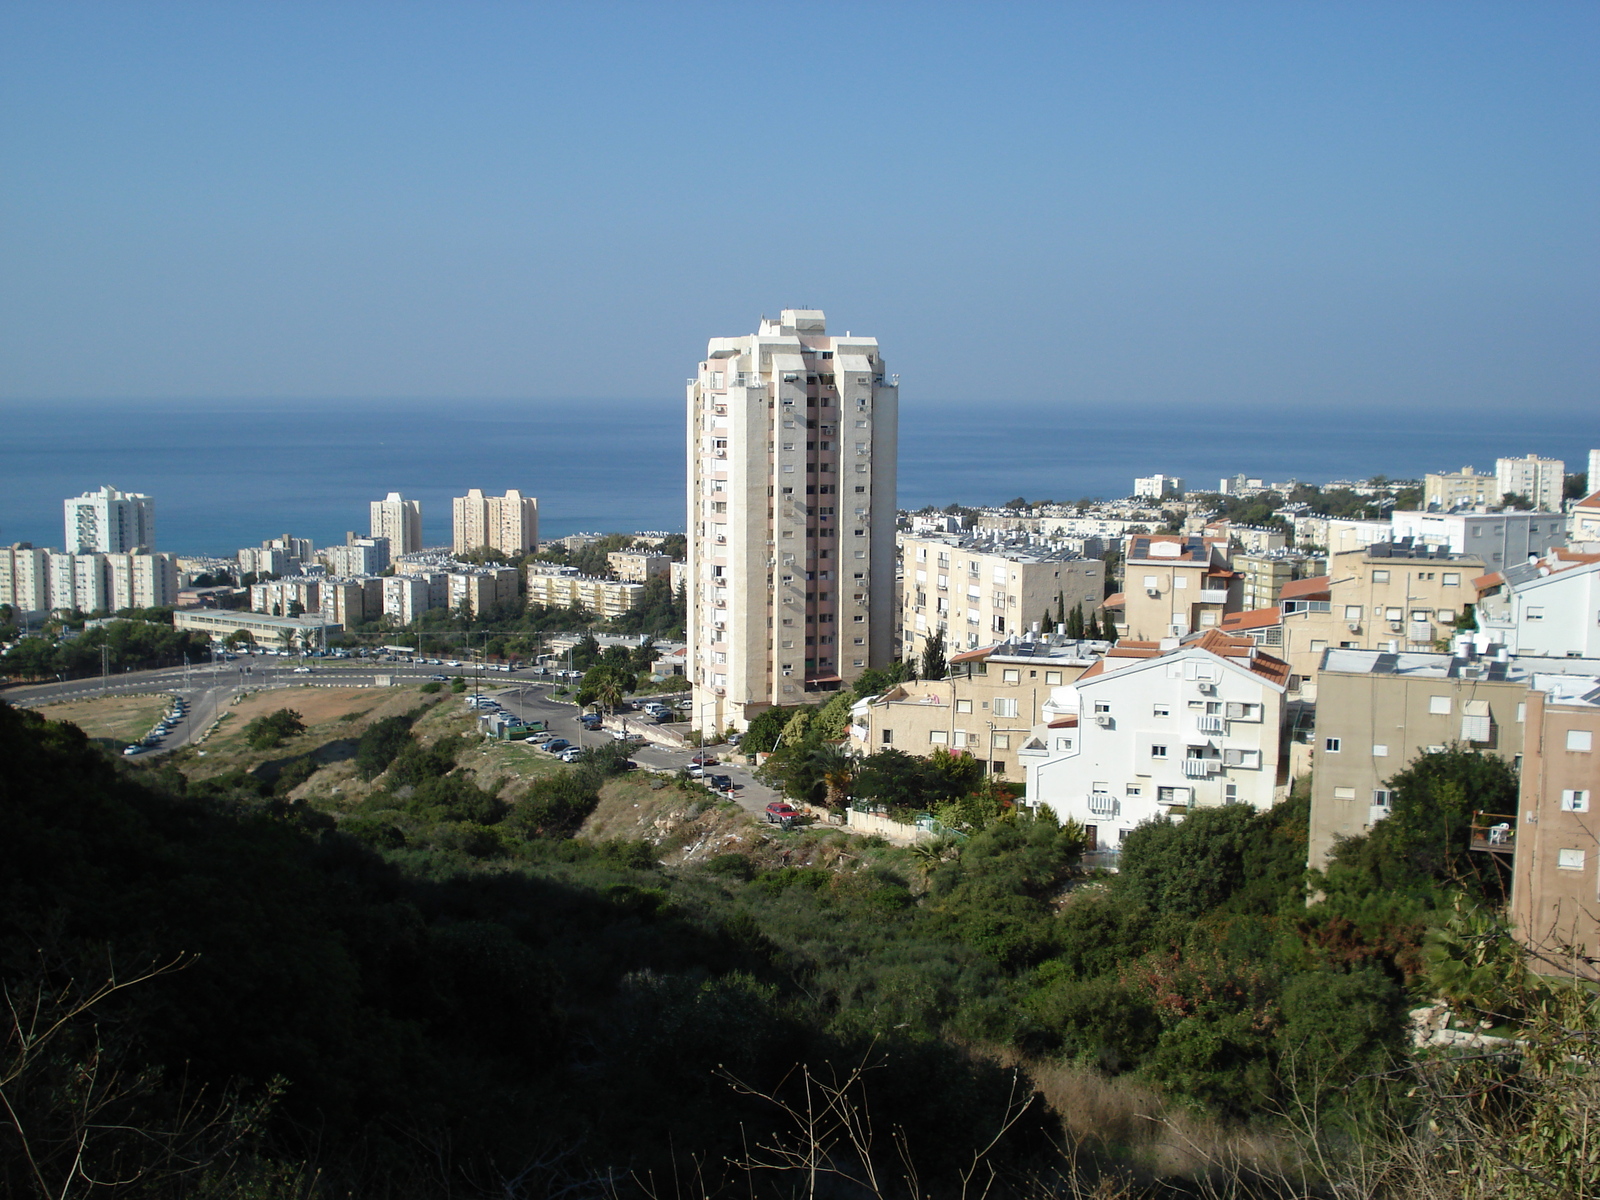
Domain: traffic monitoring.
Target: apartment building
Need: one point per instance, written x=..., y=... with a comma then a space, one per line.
x=976, y=590
x=1263, y=576
x=290, y=596
x=986, y=707
x=638, y=566
x=1377, y=711
x=1466, y=488
x=1541, y=480
x=1157, y=487
x=603, y=597
x=25, y=579
x=358, y=556
x=110, y=522
x=267, y=560
x=1550, y=607
x=1499, y=538
x=1555, y=878
x=1343, y=534
x=1158, y=729
x=1176, y=584
x=141, y=580
x=481, y=590
x=350, y=602
x=792, y=448
x=1390, y=596
x=407, y=597
x=400, y=520
x=509, y=523
x=1584, y=521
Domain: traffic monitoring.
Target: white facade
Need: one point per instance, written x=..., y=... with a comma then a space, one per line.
x=405, y=597
x=400, y=520
x=25, y=579
x=1156, y=732
x=1158, y=487
x=360, y=556
x=109, y=522
x=792, y=444
x=1552, y=615
x=1500, y=538
x=1539, y=479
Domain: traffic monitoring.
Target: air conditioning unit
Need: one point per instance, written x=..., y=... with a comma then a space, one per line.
x=1103, y=720
x=1394, y=626
x=1354, y=626
x=1153, y=593
x=1208, y=689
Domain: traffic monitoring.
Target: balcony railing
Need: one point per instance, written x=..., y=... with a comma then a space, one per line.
x=1494, y=832
x=1213, y=725
x=1200, y=768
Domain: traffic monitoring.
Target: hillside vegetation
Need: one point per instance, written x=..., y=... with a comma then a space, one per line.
x=449, y=980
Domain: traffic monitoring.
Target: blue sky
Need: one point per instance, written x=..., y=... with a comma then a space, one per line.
x=1109, y=204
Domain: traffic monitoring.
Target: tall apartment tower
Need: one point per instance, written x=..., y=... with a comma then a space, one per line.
x=792, y=442
x=399, y=520
x=509, y=523
x=110, y=522
x=1541, y=480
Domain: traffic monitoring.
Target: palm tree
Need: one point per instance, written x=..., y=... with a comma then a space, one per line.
x=838, y=771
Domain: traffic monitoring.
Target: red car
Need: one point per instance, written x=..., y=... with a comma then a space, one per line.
x=780, y=811
x=704, y=760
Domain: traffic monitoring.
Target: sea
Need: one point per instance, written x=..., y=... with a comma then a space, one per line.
x=231, y=473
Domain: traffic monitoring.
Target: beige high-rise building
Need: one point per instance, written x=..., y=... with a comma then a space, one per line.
x=399, y=520
x=25, y=578
x=141, y=580
x=1541, y=480
x=509, y=523
x=792, y=441
x=1444, y=491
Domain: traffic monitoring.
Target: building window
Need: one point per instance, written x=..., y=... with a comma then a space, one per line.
x=1158, y=751
x=1318, y=646
x=1011, y=675
x=1379, y=750
x=939, y=737
x=962, y=738
x=1380, y=577
x=1535, y=612
x=963, y=706
x=1005, y=707
x=1052, y=677
x=1161, y=710
x=1352, y=612
x=1001, y=741
x=1569, y=860
x=1344, y=793
x=1580, y=739
x=1451, y=579
x=1133, y=789
x=1102, y=707
x=1063, y=743
x=888, y=737
x=1332, y=745
x=1575, y=800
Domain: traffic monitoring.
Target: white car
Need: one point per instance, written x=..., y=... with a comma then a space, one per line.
x=301, y=671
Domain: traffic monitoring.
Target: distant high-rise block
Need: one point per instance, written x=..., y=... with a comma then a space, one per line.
x=110, y=522
x=791, y=505
x=509, y=523
x=1539, y=479
x=399, y=520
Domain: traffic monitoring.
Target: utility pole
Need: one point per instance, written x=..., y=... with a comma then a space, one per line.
x=105, y=668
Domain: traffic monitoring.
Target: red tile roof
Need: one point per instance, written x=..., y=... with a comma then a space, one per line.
x=1256, y=618
x=1484, y=582
x=1115, y=600
x=1315, y=588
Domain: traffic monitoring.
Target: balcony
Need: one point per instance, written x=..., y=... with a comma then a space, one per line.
x=1200, y=768
x=1495, y=833
x=1214, y=725
x=1103, y=804
x=1213, y=595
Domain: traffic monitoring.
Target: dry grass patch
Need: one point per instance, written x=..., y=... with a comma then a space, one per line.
x=124, y=718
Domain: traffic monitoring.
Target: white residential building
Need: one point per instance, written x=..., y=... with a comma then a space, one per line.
x=400, y=520
x=1534, y=610
x=110, y=522
x=358, y=556
x=406, y=597
x=1158, y=487
x=25, y=579
x=791, y=497
x=1158, y=729
x=1501, y=539
x=1541, y=480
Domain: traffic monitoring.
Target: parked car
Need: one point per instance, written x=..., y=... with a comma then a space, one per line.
x=439, y=678
x=705, y=760
x=722, y=783
x=557, y=745
x=694, y=770
x=781, y=812
x=537, y=738
x=301, y=671
x=572, y=754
